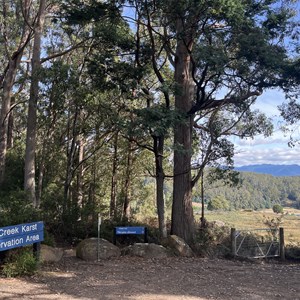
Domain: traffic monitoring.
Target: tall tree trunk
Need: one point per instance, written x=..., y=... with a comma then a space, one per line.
x=8, y=83
x=29, y=169
x=113, y=193
x=9, y=79
x=4, y=115
x=80, y=175
x=40, y=182
x=127, y=185
x=10, y=129
x=182, y=210
x=160, y=178
x=71, y=156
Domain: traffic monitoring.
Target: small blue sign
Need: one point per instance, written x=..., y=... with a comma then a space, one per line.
x=21, y=235
x=130, y=230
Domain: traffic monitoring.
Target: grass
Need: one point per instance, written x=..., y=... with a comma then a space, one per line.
x=257, y=219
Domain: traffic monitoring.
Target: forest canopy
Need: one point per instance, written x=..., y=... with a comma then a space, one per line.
x=256, y=191
x=106, y=103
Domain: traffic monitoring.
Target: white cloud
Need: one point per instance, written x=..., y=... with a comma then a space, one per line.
x=270, y=150
x=262, y=141
x=269, y=101
x=275, y=155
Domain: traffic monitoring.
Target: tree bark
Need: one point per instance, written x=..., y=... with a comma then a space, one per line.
x=160, y=179
x=113, y=193
x=8, y=82
x=182, y=210
x=29, y=169
x=71, y=156
x=127, y=194
x=80, y=174
x=4, y=115
x=10, y=129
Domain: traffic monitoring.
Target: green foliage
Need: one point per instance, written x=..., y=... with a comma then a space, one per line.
x=273, y=224
x=14, y=170
x=49, y=239
x=218, y=203
x=213, y=240
x=75, y=11
x=277, y=208
x=20, y=262
x=51, y=205
x=145, y=207
x=238, y=47
x=157, y=120
x=16, y=208
x=292, y=251
x=257, y=191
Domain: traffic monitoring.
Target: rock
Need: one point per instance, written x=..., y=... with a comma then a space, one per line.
x=146, y=250
x=88, y=249
x=50, y=254
x=179, y=246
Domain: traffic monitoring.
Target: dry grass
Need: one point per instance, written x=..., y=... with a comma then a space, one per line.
x=290, y=221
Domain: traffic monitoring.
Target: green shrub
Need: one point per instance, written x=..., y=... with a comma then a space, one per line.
x=20, y=262
x=292, y=251
x=213, y=240
x=218, y=203
x=277, y=208
x=16, y=208
x=49, y=239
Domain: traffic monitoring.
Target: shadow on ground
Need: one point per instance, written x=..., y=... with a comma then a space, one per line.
x=168, y=279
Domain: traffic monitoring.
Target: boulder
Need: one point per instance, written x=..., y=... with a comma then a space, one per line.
x=50, y=254
x=179, y=246
x=88, y=249
x=146, y=250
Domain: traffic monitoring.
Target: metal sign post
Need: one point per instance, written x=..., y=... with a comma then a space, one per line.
x=98, y=240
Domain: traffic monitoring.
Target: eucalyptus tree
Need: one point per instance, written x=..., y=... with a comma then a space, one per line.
x=212, y=148
x=223, y=53
x=16, y=34
x=110, y=67
x=29, y=169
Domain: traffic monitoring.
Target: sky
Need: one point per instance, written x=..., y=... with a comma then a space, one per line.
x=273, y=149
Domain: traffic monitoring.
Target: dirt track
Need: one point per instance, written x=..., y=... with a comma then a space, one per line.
x=169, y=279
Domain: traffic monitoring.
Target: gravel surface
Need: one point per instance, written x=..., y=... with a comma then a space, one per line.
x=164, y=279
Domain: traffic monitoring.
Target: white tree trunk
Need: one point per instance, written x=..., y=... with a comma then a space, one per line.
x=8, y=78
x=29, y=170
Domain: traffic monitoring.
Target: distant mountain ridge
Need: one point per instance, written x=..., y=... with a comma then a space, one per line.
x=275, y=170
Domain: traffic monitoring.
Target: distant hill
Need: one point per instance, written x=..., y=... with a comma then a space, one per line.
x=275, y=170
x=258, y=191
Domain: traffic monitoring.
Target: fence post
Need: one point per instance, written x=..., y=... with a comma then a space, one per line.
x=281, y=244
x=233, y=242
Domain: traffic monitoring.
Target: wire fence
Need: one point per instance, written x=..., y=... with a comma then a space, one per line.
x=257, y=243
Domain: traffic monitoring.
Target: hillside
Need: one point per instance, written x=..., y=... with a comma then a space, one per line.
x=257, y=191
x=275, y=170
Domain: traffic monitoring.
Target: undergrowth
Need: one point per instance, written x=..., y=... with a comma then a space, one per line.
x=19, y=262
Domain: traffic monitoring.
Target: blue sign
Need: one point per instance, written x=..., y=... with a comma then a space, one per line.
x=21, y=235
x=130, y=230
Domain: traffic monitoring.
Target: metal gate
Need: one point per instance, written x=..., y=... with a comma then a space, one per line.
x=256, y=243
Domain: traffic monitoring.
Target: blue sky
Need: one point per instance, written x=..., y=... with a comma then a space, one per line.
x=273, y=149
